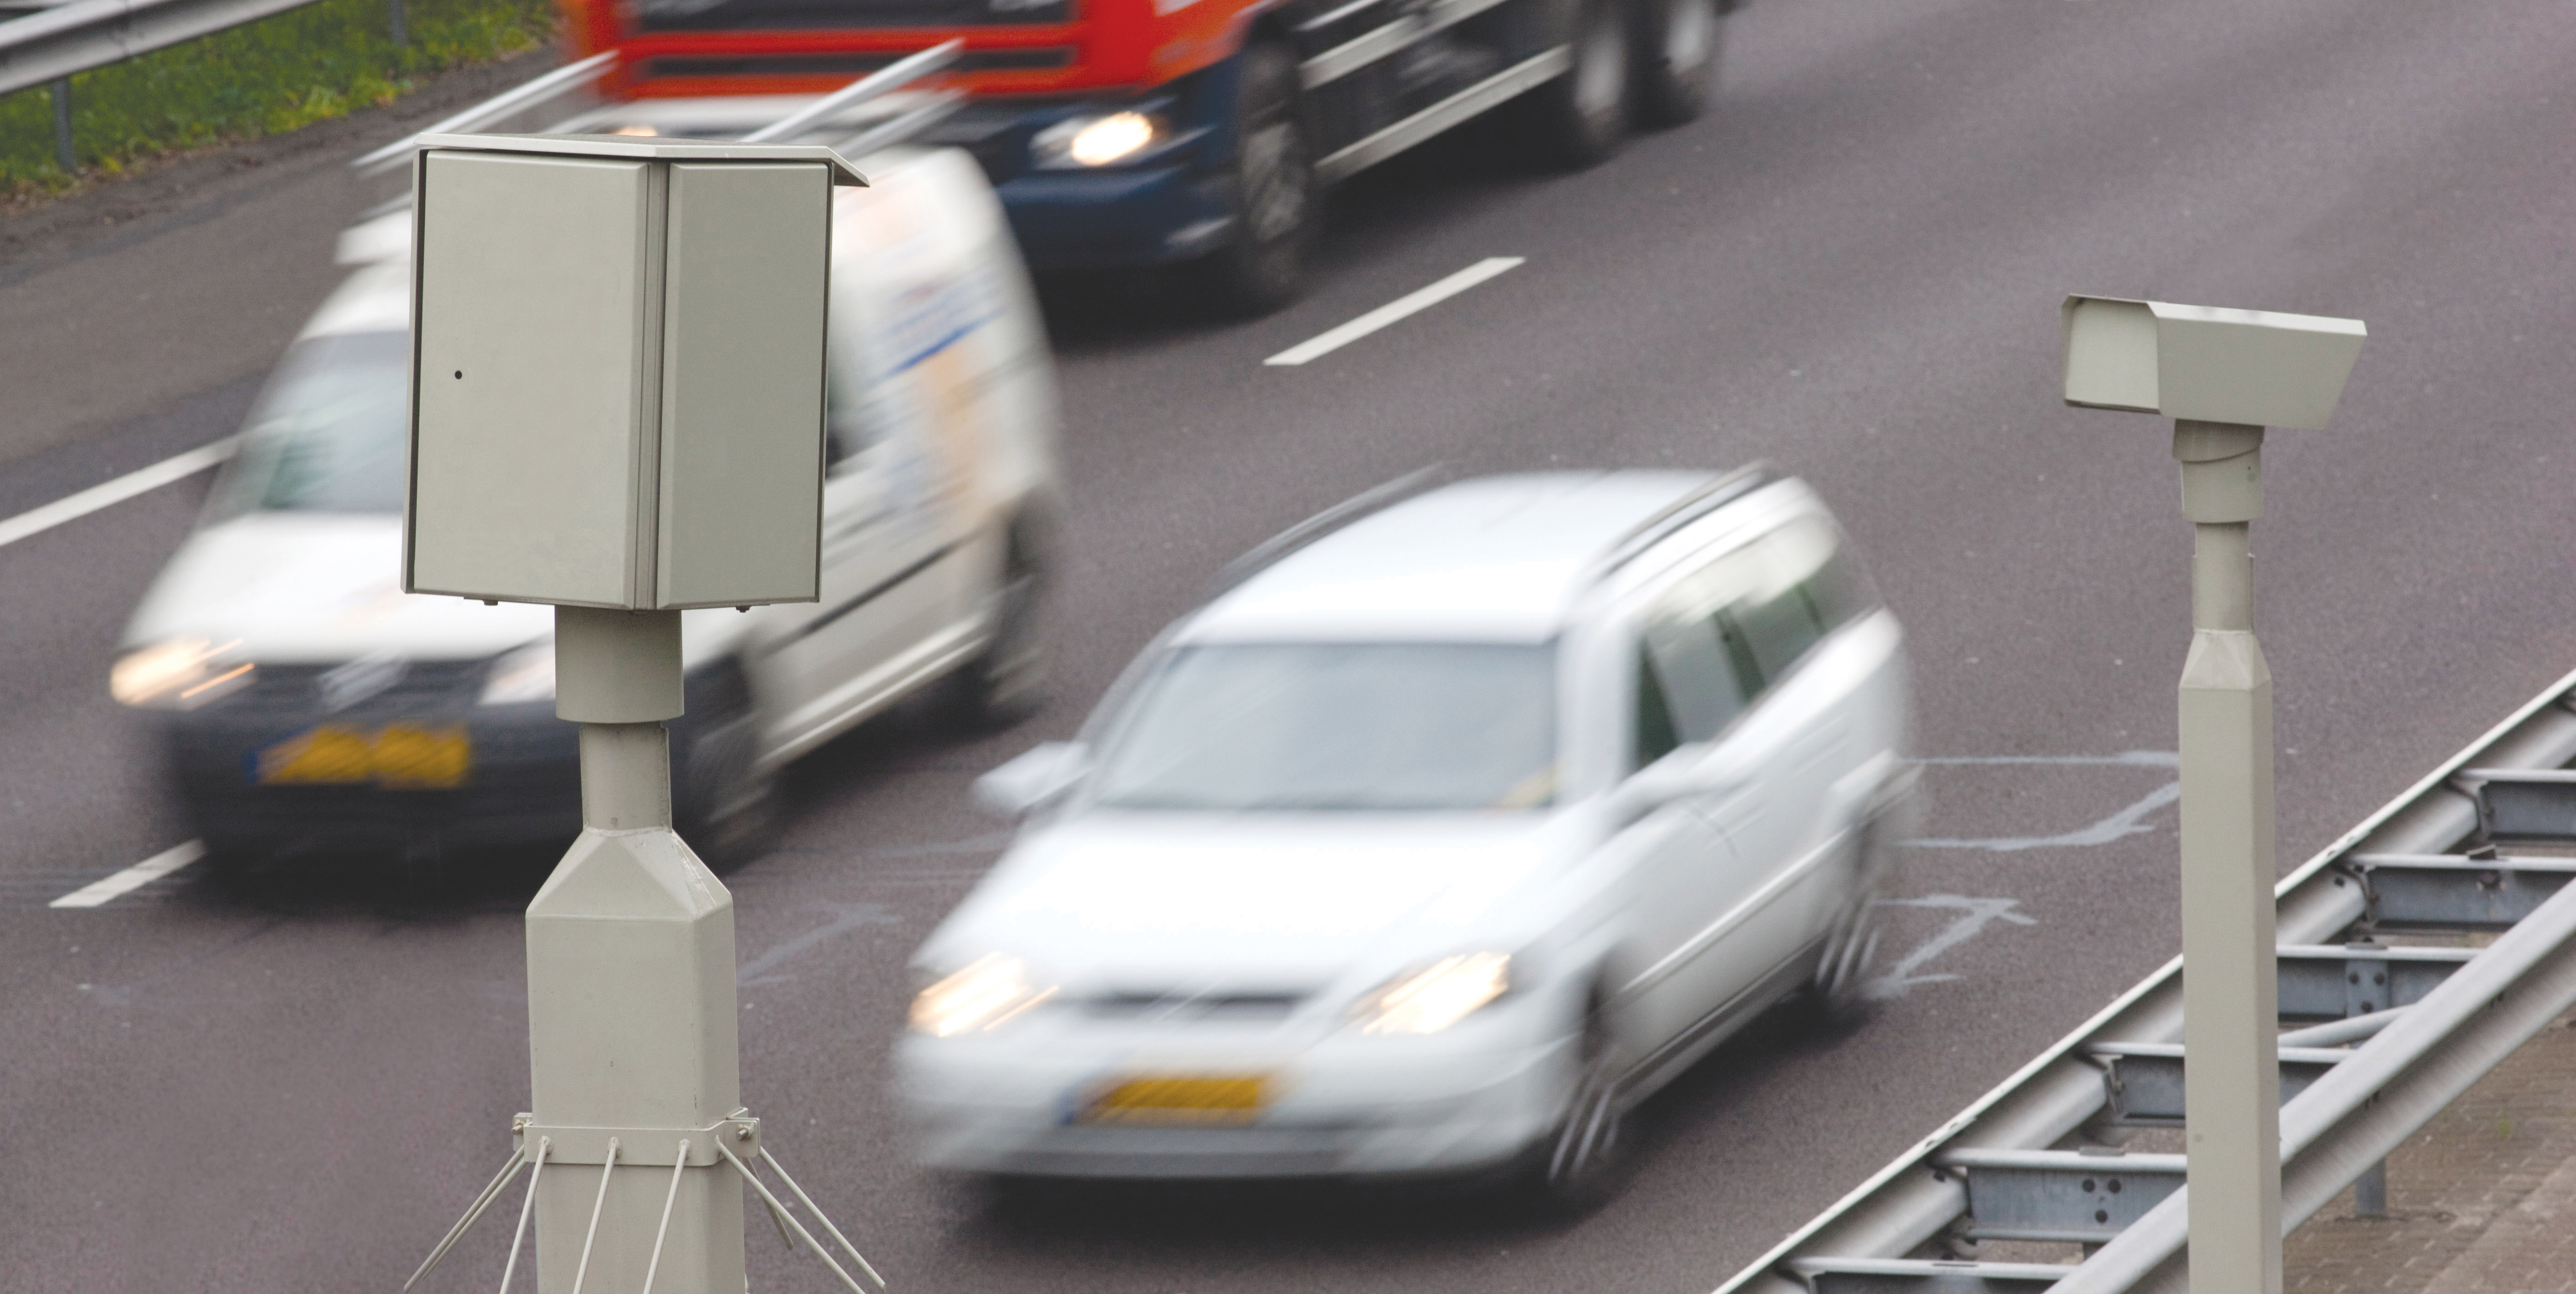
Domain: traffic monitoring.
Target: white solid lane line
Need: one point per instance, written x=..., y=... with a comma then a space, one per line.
x=142, y=481
x=133, y=878
x=1327, y=343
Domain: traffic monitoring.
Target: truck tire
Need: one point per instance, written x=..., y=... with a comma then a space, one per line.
x=1676, y=57
x=1581, y=118
x=1274, y=191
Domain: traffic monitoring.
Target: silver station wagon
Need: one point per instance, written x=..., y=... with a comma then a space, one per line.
x=1432, y=845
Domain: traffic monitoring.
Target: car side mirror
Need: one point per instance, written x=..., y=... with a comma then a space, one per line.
x=1037, y=776
x=1688, y=772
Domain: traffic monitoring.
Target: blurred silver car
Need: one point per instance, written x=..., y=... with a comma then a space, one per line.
x=1434, y=845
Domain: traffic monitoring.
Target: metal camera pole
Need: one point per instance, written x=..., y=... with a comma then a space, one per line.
x=2221, y=375
x=617, y=408
x=631, y=1002
x=2231, y=995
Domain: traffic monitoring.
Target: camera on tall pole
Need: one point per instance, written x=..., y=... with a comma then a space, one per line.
x=617, y=408
x=2222, y=376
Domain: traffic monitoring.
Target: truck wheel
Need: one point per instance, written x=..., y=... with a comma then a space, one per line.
x=1583, y=1161
x=1275, y=204
x=724, y=803
x=1677, y=44
x=1580, y=119
x=1005, y=681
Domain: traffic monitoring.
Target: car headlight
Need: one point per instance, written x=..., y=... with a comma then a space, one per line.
x=181, y=674
x=991, y=990
x=1101, y=140
x=521, y=676
x=1435, y=997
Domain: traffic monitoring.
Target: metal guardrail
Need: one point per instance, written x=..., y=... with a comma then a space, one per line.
x=2033, y=1159
x=48, y=46
x=544, y=89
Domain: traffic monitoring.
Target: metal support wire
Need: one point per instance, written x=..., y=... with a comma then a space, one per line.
x=491, y=1191
x=820, y=1215
x=679, y=1166
x=545, y=1145
x=802, y=1233
x=600, y=1202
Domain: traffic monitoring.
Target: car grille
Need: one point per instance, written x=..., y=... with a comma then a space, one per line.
x=1182, y=1007
x=425, y=688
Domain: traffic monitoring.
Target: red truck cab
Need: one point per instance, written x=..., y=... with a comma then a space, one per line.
x=1145, y=132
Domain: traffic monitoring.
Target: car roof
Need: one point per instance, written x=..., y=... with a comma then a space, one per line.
x=1498, y=558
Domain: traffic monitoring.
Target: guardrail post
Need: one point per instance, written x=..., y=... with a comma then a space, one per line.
x=64, y=157
x=2370, y=1192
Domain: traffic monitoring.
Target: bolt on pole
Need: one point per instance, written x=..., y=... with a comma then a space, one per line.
x=2222, y=376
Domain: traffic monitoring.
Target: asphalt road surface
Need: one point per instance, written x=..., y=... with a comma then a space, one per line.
x=1852, y=267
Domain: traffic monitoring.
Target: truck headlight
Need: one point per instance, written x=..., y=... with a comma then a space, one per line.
x=181, y=674
x=1101, y=140
x=521, y=676
x=1435, y=997
x=991, y=990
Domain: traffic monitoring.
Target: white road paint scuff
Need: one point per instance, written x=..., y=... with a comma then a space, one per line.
x=133, y=878
x=1974, y=916
x=1411, y=304
x=2127, y=822
x=2130, y=821
x=36, y=521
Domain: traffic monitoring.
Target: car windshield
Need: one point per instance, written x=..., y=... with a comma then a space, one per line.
x=1338, y=726
x=327, y=435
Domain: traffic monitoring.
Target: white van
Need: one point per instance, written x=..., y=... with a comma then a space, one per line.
x=304, y=700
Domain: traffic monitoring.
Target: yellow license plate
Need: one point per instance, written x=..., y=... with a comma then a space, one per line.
x=402, y=756
x=1180, y=1100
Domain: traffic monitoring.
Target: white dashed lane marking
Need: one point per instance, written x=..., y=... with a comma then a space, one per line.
x=133, y=878
x=179, y=467
x=1393, y=311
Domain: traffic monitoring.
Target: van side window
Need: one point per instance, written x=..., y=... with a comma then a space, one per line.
x=1770, y=601
x=1691, y=665
x=1656, y=734
x=1687, y=687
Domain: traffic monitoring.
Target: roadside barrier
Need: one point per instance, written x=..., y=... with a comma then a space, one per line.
x=2396, y=1027
x=51, y=45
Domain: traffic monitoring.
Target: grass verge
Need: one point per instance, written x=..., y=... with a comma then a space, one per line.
x=263, y=78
